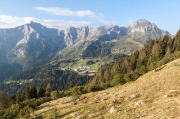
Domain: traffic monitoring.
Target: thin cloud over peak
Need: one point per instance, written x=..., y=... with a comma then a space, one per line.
x=96, y=19
x=103, y=22
x=58, y=11
x=7, y=21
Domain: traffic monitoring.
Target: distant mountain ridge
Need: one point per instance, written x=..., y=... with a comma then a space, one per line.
x=114, y=39
x=33, y=44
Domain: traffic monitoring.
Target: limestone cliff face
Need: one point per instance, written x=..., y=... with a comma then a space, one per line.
x=74, y=35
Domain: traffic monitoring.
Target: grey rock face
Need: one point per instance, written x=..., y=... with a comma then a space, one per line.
x=145, y=26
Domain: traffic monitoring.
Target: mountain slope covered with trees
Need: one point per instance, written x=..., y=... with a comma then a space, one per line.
x=153, y=56
x=33, y=44
x=159, y=52
x=42, y=75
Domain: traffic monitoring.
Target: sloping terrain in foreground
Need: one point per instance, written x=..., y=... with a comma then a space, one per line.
x=154, y=95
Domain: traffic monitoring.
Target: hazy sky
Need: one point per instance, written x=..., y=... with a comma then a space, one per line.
x=64, y=13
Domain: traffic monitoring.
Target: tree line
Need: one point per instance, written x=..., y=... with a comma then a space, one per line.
x=153, y=55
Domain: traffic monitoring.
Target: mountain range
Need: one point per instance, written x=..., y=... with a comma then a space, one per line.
x=33, y=44
x=130, y=64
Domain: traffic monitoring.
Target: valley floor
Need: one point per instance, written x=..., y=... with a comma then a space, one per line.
x=155, y=95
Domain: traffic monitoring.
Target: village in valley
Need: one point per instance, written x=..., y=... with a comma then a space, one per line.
x=85, y=70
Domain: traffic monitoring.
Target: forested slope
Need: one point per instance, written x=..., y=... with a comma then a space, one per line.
x=42, y=75
x=159, y=52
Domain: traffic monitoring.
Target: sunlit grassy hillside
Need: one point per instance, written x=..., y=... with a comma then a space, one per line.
x=154, y=95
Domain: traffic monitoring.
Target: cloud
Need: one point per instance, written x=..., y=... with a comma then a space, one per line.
x=63, y=24
x=103, y=22
x=97, y=17
x=7, y=21
x=13, y=21
x=67, y=12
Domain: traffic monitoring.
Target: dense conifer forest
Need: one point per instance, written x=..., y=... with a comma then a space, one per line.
x=42, y=75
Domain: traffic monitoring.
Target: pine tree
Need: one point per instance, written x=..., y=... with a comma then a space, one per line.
x=33, y=92
x=156, y=50
x=23, y=96
x=176, y=42
x=18, y=97
x=168, y=51
x=2, y=100
x=27, y=94
x=49, y=89
x=133, y=60
x=41, y=92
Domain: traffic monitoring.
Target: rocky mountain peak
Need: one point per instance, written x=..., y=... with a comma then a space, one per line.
x=115, y=28
x=35, y=24
x=141, y=25
x=144, y=26
x=74, y=35
x=83, y=31
x=30, y=28
x=142, y=22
